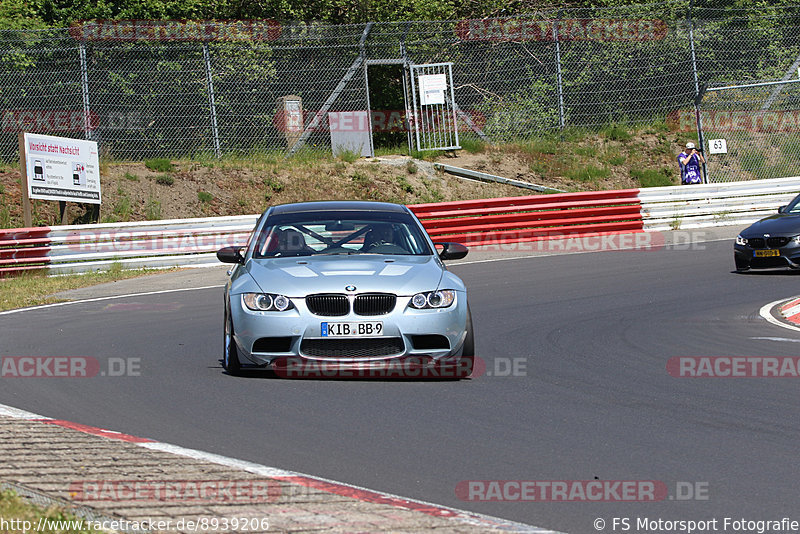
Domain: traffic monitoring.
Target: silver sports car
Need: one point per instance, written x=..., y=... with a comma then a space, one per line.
x=345, y=289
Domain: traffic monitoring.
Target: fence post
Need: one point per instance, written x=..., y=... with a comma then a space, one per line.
x=558, y=73
x=87, y=130
x=211, y=103
x=698, y=95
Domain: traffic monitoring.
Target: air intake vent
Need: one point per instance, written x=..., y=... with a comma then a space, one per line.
x=352, y=348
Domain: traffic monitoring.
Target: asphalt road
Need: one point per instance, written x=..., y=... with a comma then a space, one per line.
x=591, y=335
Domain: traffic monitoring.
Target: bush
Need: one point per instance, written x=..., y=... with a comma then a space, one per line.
x=165, y=179
x=204, y=196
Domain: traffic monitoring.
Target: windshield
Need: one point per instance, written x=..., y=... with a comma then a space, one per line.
x=318, y=233
x=793, y=207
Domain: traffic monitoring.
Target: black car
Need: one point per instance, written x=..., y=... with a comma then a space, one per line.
x=771, y=242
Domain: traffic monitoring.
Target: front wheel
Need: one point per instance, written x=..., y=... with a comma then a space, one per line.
x=230, y=354
x=467, y=362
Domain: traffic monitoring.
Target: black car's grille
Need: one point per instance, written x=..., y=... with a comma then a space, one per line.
x=769, y=242
x=329, y=305
x=777, y=242
x=352, y=348
x=374, y=304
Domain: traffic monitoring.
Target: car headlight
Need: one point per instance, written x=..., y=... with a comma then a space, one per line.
x=741, y=241
x=796, y=240
x=433, y=299
x=266, y=302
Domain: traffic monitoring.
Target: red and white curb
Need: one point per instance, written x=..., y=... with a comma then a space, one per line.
x=330, y=486
x=784, y=313
x=791, y=311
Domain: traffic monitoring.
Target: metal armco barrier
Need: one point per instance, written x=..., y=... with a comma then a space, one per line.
x=697, y=206
x=81, y=248
x=193, y=242
x=515, y=219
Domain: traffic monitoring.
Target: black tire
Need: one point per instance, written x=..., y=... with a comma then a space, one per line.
x=741, y=267
x=230, y=354
x=467, y=363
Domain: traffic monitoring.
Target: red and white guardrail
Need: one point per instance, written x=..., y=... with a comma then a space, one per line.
x=193, y=242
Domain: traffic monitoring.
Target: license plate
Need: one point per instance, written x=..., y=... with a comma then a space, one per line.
x=766, y=253
x=359, y=329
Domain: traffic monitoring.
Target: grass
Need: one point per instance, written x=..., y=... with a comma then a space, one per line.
x=122, y=206
x=411, y=167
x=159, y=165
x=350, y=156
x=17, y=511
x=34, y=289
x=653, y=178
x=405, y=186
x=204, y=196
x=273, y=184
x=152, y=210
x=165, y=179
x=360, y=178
x=473, y=146
x=589, y=173
x=131, y=177
x=615, y=132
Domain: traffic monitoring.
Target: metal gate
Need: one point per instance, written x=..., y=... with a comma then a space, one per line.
x=432, y=115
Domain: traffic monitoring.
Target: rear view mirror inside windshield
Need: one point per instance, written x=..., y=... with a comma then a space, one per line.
x=339, y=226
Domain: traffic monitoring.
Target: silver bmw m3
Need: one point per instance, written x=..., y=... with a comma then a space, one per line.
x=345, y=289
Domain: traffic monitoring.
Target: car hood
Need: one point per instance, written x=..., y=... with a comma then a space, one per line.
x=298, y=277
x=775, y=225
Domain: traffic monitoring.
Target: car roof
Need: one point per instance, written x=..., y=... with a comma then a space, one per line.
x=338, y=205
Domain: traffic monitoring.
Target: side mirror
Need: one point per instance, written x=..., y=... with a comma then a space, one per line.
x=452, y=251
x=780, y=210
x=230, y=255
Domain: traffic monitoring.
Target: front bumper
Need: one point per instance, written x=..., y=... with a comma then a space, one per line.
x=269, y=338
x=745, y=257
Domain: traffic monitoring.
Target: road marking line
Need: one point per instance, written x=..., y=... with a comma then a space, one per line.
x=777, y=339
x=110, y=297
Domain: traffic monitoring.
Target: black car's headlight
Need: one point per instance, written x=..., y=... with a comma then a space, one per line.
x=741, y=241
x=433, y=299
x=795, y=240
x=266, y=302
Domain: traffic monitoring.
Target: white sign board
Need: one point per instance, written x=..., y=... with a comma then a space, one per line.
x=432, y=88
x=717, y=146
x=60, y=168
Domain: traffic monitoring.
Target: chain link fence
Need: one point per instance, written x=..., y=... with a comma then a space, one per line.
x=141, y=94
